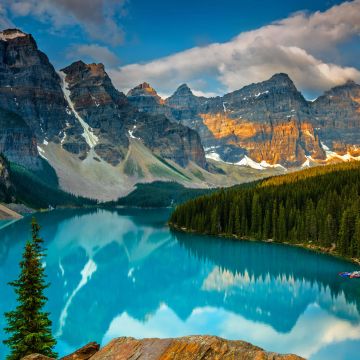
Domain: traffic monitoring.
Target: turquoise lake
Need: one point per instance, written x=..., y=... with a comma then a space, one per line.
x=124, y=273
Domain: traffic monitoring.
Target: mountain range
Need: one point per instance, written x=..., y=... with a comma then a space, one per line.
x=101, y=142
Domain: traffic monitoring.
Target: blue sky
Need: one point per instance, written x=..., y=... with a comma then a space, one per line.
x=141, y=40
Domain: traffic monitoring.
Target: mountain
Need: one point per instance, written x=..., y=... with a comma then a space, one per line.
x=97, y=140
x=109, y=120
x=270, y=123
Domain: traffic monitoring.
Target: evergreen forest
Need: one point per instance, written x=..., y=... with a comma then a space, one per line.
x=319, y=206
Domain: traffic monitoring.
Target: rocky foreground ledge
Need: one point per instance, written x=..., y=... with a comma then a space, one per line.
x=184, y=348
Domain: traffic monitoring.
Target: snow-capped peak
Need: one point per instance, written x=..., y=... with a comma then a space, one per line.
x=10, y=34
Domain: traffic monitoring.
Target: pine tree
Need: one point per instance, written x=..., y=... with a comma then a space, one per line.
x=28, y=325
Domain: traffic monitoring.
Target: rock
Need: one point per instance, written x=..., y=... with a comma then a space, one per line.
x=36, y=357
x=185, y=348
x=84, y=353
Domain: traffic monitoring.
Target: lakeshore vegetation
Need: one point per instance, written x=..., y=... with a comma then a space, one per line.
x=319, y=206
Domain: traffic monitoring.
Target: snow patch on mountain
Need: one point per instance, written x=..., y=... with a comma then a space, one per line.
x=213, y=156
x=90, y=138
x=42, y=153
x=11, y=34
x=246, y=161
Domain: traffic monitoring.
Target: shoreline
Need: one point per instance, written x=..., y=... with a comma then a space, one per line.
x=310, y=247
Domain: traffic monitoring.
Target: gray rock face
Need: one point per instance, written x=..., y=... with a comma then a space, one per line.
x=30, y=87
x=17, y=141
x=146, y=99
x=337, y=116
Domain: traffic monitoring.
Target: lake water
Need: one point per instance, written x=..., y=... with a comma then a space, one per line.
x=124, y=273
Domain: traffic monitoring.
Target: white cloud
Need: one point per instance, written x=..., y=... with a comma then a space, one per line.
x=5, y=22
x=99, y=18
x=297, y=45
x=93, y=53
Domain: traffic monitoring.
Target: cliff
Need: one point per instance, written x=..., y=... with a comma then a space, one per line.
x=30, y=86
x=185, y=348
x=269, y=121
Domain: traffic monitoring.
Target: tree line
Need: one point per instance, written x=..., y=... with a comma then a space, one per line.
x=320, y=206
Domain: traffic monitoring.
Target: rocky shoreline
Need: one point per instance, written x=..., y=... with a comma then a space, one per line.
x=185, y=348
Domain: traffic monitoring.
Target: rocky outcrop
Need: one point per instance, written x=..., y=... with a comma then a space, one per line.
x=184, y=348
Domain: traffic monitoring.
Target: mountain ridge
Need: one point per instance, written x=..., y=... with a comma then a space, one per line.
x=101, y=142
x=270, y=121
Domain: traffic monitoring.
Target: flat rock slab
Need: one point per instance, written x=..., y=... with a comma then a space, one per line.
x=185, y=348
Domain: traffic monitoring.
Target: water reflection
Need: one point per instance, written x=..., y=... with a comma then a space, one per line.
x=124, y=273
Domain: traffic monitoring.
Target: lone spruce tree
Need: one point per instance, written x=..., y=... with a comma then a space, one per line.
x=28, y=325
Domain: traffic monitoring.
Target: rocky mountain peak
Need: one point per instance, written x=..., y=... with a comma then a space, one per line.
x=144, y=89
x=281, y=81
x=183, y=97
x=182, y=90
x=79, y=70
x=10, y=34
x=281, y=77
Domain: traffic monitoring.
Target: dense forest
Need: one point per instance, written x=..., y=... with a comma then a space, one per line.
x=318, y=206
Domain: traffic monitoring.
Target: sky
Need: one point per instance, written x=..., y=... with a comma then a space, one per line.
x=215, y=46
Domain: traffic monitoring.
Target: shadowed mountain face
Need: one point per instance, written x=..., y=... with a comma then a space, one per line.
x=30, y=87
x=125, y=273
x=17, y=141
x=268, y=121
